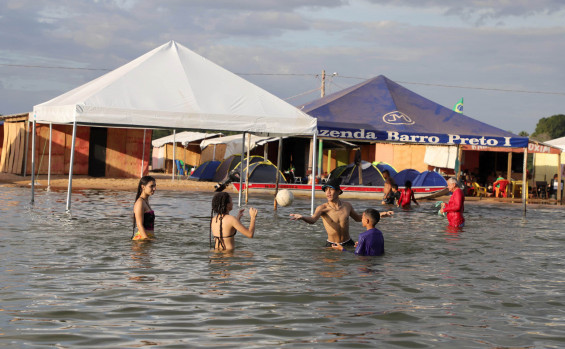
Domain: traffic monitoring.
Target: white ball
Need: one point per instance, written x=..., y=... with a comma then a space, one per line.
x=285, y=197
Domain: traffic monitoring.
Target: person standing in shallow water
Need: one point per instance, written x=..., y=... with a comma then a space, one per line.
x=143, y=214
x=224, y=226
x=456, y=205
x=335, y=215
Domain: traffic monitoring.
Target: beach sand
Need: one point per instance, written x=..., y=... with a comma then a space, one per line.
x=165, y=182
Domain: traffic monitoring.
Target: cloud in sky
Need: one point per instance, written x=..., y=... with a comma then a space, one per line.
x=513, y=45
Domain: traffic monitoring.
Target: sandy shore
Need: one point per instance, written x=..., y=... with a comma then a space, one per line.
x=164, y=182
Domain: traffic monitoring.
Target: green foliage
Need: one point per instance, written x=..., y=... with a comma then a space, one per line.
x=159, y=133
x=523, y=134
x=550, y=128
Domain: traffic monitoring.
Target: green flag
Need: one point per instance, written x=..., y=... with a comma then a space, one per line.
x=459, y=106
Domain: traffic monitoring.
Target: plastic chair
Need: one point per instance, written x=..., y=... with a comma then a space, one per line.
x=501, y=190
x=479, y=191
x=180, y=169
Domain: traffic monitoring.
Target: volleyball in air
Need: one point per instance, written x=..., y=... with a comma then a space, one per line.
x=285, y=197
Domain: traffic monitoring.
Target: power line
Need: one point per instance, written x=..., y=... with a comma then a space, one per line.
x=317, y=75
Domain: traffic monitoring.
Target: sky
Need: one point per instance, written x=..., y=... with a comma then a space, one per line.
x=504, y=57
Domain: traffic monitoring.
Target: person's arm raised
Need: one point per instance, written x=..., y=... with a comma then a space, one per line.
x=241, y=228
x=353, y=214
x=311, y=219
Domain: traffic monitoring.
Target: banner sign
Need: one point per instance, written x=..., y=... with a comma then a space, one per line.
x=362, y=134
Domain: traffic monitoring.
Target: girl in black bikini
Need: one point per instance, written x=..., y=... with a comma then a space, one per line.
x=143, y=214
x=223, y=226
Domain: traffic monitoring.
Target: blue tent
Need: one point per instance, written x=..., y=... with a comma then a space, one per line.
x=429, y=179
x=379, y=109
x=383, y=166
x=205, y=172
x=406, y=175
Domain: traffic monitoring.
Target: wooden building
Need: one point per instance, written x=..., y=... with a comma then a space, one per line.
x=109, y=152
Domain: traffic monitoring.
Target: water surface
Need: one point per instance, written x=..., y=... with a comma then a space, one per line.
x=77, y=280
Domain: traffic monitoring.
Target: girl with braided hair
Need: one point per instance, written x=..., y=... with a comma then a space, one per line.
x=223, y=226
x=143, y=214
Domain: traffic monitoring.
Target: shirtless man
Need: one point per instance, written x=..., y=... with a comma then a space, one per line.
x=335, y=215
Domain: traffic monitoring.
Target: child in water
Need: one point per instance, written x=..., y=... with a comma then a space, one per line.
x=371, y=242
x=224, y=226
x=407, y=196
x=143, y=214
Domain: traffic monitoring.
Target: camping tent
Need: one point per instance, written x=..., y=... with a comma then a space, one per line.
x=205, y=172
x=381, y=110
x=427, y=179
x=371, y=173
x=405, y=175
x=233, y=163
x=173, y=87
x=184, y=138
x=263, y=172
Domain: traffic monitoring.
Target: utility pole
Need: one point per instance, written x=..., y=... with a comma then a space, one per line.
x=323, y=88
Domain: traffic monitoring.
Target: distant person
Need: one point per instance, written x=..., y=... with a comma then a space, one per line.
x=554, y=186
x=389, y=181
x=456, y=205
x=143, y=214
x=223, y=226
x=392, y=197
x=371, y=242
x=407, y=196
x=335, y=215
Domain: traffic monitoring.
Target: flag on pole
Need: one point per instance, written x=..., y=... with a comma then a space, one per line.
x=459, y=106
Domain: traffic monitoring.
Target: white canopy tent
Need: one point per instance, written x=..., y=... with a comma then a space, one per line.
x=233, y=143
x=185, y=138
x=173, y=87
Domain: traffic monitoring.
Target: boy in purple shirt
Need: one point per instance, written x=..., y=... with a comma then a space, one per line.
x=371, y=242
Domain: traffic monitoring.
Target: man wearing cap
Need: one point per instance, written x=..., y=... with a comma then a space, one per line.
x=335, y=215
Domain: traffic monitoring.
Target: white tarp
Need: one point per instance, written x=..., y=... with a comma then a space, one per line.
x=441, y=156
x=183, y=137
x=158, y=161
x=233, y=143
x=557, y=142
x=173, y=87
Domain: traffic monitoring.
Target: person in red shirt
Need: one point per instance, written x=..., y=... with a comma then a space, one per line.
x=455, y=207
x=407, y=196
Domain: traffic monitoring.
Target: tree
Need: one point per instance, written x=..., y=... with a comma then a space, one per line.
x=550, y=128
x=523, y=134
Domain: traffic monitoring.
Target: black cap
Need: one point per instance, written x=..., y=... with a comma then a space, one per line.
x=334, y=184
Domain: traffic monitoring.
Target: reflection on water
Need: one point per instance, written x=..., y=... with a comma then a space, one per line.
x=77, y=280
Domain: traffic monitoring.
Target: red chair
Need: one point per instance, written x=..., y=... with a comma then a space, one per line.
x=501, y=190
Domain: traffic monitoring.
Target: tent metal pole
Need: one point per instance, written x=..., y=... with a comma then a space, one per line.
x=27, y=147
x=71, y=165
x=241, y=174
x=524, y=181
x=313, y=171
x=33, y=160
x=49, y=160
x=174, y=152
x=143, y=152
x=279, y=161
x=247, y=168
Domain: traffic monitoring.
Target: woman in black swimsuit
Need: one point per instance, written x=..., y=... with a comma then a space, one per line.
x=223, y=226
x=143, y=214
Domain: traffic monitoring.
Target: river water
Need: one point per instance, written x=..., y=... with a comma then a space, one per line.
x=77, y=280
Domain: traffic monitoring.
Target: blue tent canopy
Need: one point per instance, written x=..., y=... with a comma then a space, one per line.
x=408, y=174
x=379, y=109
x=205, y=172
x=429, y=179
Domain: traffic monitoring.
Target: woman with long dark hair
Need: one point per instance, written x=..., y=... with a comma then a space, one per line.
x=143, y=214
x=223, y=226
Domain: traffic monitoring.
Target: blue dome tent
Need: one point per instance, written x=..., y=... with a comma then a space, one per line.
x=205, y=172
x=405, y=175
x=429, y=179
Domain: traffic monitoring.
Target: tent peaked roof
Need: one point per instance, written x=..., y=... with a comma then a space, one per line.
x=173, y=87
x=380, y=109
